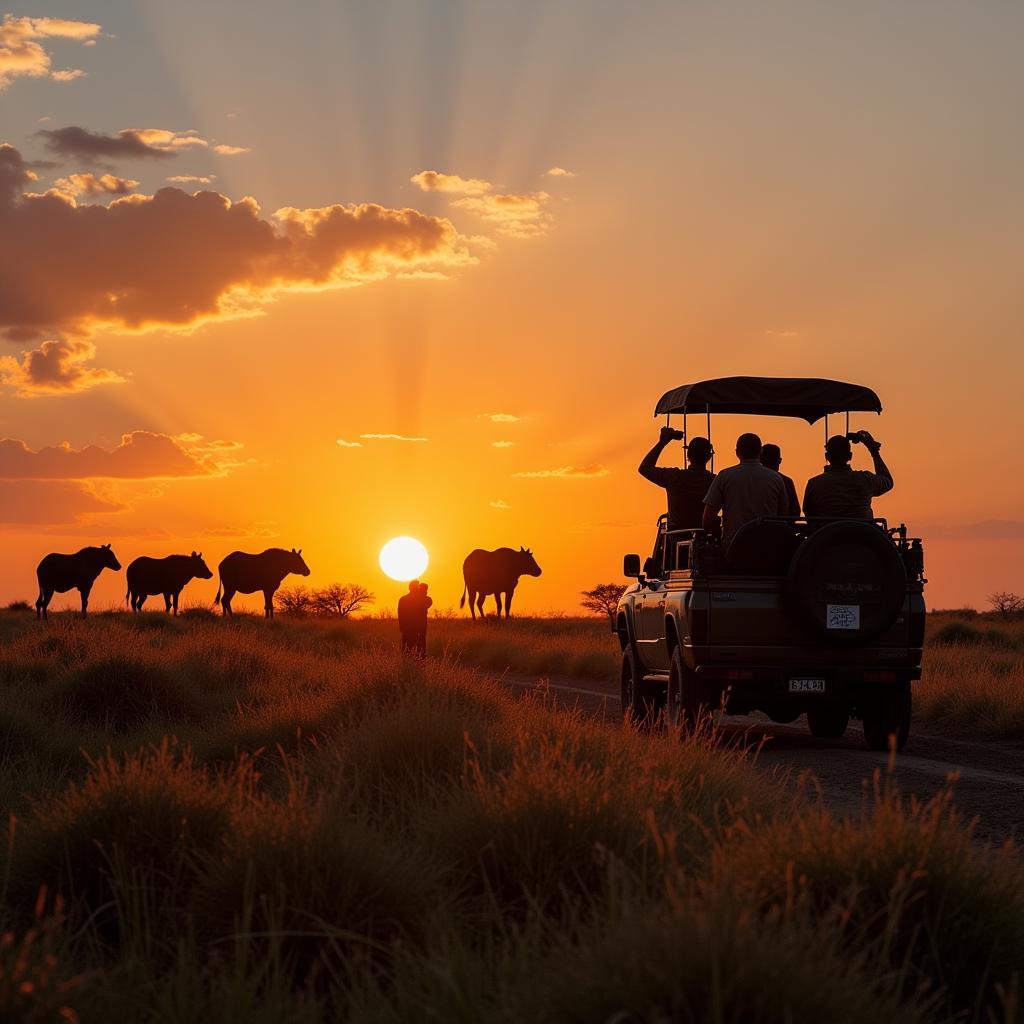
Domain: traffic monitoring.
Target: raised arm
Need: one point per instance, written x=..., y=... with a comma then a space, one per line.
x=648, y=469
x=882, y=471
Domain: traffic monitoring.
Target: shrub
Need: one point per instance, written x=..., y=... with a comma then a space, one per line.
x=957, y=634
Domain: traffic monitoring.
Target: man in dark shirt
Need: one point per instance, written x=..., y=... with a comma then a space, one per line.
x=412, y=619
x=844, y=493
x=771, y=456
x=685, y=487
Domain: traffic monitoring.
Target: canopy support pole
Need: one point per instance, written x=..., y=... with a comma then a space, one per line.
x=708, y=410
x=826, y=430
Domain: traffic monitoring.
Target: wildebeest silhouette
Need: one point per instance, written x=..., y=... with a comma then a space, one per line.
x=243, y=573
x=167, y=576
x=60, y=573
x=495, y=572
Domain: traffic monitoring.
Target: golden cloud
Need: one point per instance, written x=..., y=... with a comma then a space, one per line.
x=499, y=417
x=503, y=444
x=559, y=172
x=55, y=368
x=191, y=179
x=50, y=502
x=88, y=184
x=437, y=181
x=567, y=472
x=175, y=260
x=392, y=437
x=22, y=55
x=140, y=455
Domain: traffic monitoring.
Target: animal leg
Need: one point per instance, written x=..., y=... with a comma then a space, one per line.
x=472, y=603
x=225, y=602
x=174, y=598
x=497, y=601
x=480, y=604
x=508, y=602
x=43, y=602
x=268, y=604
x=167, y=602
x=85, y=600
x=138, y=600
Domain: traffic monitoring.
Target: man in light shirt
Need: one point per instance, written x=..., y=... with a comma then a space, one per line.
x=844, y=493
x=744, y=492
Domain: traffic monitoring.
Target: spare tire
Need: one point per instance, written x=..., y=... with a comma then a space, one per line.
x=847, y=581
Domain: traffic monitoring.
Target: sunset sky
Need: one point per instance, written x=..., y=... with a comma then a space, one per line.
x=320, y=274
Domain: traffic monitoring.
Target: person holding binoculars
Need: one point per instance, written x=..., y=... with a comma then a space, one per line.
x=842, y=492
x=685, y=488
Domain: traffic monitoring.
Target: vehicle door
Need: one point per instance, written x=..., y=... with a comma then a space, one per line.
x=652, y=626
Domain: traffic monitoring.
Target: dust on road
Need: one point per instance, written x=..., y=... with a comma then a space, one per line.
x=987, y=775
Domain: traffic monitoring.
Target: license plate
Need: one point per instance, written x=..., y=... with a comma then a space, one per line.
x=842, y=616
x=807, y=686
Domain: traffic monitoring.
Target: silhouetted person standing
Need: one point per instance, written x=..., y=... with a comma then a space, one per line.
x=842, y=492
x=744, y=492
x=685, y=487
x=412, y=619
x=771, y=456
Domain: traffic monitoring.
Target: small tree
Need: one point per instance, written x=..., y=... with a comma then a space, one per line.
x=603, y=598
x=295, y=601
x=1006, y=603
x=338, y=600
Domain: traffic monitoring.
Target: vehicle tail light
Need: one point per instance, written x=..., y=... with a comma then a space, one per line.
x=697, y=618
x=737, y=673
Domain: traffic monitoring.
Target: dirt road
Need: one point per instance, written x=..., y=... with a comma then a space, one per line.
x=988, y=774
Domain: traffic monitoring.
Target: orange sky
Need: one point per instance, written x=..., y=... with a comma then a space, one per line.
x=622, y=201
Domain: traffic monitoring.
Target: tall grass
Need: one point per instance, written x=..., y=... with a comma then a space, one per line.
x=285, y=821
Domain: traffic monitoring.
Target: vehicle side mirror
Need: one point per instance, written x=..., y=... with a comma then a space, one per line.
x=631, y=566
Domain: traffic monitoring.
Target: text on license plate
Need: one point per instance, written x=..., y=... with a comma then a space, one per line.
x=807, y=686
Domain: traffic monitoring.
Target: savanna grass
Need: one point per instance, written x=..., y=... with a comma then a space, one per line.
x=285, y=821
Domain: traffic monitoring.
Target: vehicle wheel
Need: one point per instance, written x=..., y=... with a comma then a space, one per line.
x=686, y=700
x=642, y=703
x=887, y=713
x=828, y=722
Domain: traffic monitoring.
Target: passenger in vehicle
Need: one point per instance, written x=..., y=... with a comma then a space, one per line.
x=744, y=492
x=685, y=487
x=842, y=492
x=771, y=456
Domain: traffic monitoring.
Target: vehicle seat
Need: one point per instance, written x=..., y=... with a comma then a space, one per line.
x=763, y=548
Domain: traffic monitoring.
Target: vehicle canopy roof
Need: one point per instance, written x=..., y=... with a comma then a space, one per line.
x=808, y=398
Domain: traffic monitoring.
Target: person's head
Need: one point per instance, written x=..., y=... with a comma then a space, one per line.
x=838, y=450
x=414, y=585
x=771, y=456
x=748, y=446
x=423, y=588
x=698, y=451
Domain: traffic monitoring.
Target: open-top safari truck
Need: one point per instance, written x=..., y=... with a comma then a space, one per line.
x=823, y=616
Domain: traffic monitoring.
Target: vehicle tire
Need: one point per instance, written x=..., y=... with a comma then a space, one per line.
x=828, y=722
x=847, y=564
x=886, y=713
x=642, y=702
x=686, y=699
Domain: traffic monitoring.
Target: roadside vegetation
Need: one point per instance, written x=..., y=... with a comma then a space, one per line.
x=268, y=821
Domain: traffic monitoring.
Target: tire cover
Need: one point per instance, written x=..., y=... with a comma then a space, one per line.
x=847, y=581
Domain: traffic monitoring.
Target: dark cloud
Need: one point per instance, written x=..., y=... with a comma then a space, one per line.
x=139, y=455
x=55, y=368
x=175, y=259
x=81, y=144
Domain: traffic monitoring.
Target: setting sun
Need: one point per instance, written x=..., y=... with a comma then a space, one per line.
x=403, y=558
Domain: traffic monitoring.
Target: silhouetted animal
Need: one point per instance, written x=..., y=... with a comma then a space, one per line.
x=497, y=573
x=60, y=573
x=167, y=576
x=244, y=573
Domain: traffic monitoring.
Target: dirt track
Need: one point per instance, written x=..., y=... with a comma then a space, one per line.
x=989, y=774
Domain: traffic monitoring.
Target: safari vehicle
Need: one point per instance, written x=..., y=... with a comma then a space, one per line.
x=818, y=616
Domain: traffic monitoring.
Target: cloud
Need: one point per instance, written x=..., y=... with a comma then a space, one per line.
x=501, y=504
x=517, y=215
x=78, y=143
x=437, y=181
x=391, y=437
x=568, y=472
x=88, y=184
x=783, y=335
x=22, y=55
x=176, y=260
x=348, y=444
x=191, y=179
x=55, y=368
x=559, y=172
x=499, y=417
x=503, y=444
x=140, y=455
x=987, y=529
x=50, y=502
